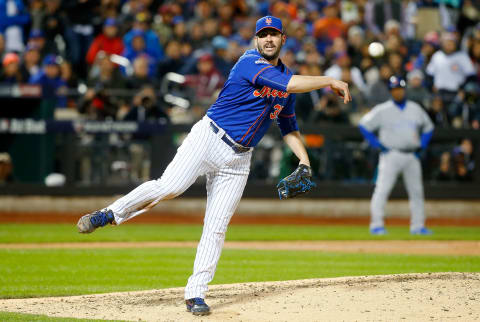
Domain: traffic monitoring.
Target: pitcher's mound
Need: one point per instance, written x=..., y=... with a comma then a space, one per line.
x=409, y=297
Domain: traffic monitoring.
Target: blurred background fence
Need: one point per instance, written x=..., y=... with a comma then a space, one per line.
x=51, y=153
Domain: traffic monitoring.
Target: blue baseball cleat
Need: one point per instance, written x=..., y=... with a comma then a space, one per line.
x=424, y=231
x=90, y=222
x=378, y=231
x=197, y=306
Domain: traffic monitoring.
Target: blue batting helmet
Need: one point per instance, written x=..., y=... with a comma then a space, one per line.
x=396, y=82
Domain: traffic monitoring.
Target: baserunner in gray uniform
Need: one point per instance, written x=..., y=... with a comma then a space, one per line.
x=404, y=129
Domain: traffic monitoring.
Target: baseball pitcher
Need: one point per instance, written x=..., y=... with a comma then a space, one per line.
x=404, y=129
x=260, y=89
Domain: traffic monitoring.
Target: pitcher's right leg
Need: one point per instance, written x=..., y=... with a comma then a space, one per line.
x=224, y=189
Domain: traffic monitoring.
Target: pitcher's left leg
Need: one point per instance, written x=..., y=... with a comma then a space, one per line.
x=412, y=177
x=224, y=191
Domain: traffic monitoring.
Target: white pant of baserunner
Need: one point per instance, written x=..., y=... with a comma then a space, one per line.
x=202, y=153
x=392, y=164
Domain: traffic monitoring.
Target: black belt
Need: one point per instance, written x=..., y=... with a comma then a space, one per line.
x=407, y=150
x=237, y=148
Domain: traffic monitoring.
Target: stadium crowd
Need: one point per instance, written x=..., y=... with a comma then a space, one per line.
x=114, y=59
x=91, y=47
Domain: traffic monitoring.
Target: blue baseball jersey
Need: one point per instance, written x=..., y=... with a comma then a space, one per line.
x=254, y=95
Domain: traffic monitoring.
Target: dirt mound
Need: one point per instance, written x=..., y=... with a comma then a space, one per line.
x=410, y=297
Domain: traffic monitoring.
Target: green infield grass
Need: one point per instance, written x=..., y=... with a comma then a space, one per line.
x=13, y=317
x=56, y=272
x=40, y=233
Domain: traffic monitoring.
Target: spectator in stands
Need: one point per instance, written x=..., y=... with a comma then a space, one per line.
x=329, y=26
x=463, y=161
x=466, y=106
x=6, y=168
x=13, y=18
x=152, y=44
x=358, y=102
x=172, y=62
x=429, y=46
x=329, y=110
x=36, y=10
x=53, y=86
x=96, y=104
x=163, y=23
x=79, y=31
x=415, y=90
x=377, y=13
x=378, y=92
x=474, y=52
x=339, y=45
x=203, y=10
x=37, y=39
x=289, y=59
x=438, y=113
x=444, y=171
x=146, y=108
x=210, y=28
x=225, y=13
x=356, y=43
x=220, y=56
x=68, y=76
x=305, y=102
x=295, y=39
x=450, y=69
x=206, y=83
x=350, y=12
x=225, y=29
x=469, y=15
x=138, y=49
x=342, y=61
x=2, y=44
x=104, y=73
x=244, y=35
x=108, y=41
x=395, y=60
x=180, y=30
x=11, y=74
x=54, y=24
x=31, y=62
x=395, y=43
x=141, y=74
x=71, y=82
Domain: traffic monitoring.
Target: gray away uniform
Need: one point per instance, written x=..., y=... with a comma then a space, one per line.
x=399, y=131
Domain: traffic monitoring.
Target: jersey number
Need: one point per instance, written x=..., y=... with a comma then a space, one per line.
x=278, y=108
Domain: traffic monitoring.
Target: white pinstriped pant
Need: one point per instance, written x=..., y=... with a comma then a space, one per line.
x=202, y=153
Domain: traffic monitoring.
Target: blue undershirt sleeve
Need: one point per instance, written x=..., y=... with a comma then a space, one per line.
x=425, y=139
x=371, y=138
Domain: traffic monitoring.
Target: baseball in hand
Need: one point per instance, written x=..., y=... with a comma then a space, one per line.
x=376, y=49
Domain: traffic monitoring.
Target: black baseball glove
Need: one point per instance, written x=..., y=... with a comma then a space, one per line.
x=297, y=183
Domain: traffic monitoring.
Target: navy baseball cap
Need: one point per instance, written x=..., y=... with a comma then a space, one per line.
x=36, y=33
x=396, y=82
x=110, y=22
x=269, y=22
x=50, y=59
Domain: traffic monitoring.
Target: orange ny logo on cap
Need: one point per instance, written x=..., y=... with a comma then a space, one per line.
x=268, y=21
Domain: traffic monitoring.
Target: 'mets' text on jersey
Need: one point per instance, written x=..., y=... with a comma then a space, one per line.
x=254, y=94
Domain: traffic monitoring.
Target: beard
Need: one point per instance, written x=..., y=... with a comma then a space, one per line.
x=269, y=56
